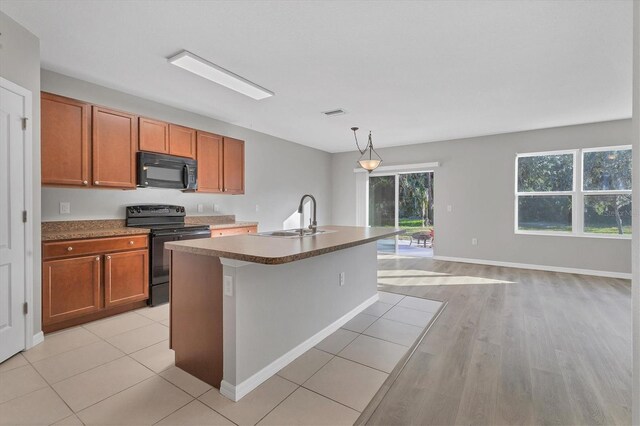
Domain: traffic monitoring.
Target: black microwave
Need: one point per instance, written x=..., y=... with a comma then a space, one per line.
x=167, y=171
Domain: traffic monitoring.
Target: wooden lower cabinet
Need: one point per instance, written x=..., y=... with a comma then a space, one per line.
x=78, y=287
x=126, y=277
x=70, y=288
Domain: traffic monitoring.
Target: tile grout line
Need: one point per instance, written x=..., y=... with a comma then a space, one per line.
x=411, y=352
x=54, y=391
x=158, y=374
x=283, y=400
x=210, y=407
x=177, y=387
x=50, y=385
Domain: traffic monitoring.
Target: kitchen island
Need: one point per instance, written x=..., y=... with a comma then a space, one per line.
x=243, y=307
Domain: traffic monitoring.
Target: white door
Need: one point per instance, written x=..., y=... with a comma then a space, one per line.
x=12, y=228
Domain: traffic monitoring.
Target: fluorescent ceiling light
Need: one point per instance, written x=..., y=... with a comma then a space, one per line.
x=206, y=69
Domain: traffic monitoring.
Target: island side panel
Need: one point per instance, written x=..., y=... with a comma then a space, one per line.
x=276, y=308
x=196, y=315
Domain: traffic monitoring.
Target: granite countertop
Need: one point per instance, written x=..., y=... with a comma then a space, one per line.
x=79, y=229
x=277, y=250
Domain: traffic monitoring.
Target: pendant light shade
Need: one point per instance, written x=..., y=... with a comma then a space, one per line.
x=370, y=160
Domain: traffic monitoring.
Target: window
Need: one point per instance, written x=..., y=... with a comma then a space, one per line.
x=545, y=190
x=550, y=192
x=606, y=184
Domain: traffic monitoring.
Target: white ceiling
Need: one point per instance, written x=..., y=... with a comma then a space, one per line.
x=410, y=71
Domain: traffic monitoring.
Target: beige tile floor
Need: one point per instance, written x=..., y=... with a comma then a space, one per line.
x=120, y=370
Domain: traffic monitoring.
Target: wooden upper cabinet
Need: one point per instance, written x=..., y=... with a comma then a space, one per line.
x=70, y=288
x=209, y=156
x=65, y=141
x=114, y=143
x=182, y=141
x=154, y=135
x=126, y=277
x=233, y=166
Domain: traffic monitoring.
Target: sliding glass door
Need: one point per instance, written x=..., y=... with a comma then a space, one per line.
x=382, y=207
x=403, y=200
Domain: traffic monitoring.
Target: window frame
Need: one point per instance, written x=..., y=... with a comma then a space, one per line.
x=577, y=194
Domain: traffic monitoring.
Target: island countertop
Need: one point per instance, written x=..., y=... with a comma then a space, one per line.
x=270, y=250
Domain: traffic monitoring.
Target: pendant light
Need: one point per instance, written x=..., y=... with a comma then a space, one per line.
x=370, y=160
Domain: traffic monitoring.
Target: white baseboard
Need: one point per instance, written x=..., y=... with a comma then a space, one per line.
x=608, y=274
x=37, y=339
x=234, y=393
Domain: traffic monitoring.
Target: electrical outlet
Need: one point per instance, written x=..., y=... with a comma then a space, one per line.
x=449, y=208
x=200, y=208
x=257, y=207
x=474, y=241
x=341, y=279
x=228, y=286
x=65, y=207
x=216, y=208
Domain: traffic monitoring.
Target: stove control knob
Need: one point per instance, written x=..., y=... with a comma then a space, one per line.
x=182, y=209
x=177, y=209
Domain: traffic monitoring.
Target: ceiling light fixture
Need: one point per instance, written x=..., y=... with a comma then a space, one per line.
x=213, y=72
x=370, y=160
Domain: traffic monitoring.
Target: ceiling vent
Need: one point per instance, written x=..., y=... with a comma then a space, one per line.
x=334, y=112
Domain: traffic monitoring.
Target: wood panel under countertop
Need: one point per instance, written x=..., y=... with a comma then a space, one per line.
x=196, y=315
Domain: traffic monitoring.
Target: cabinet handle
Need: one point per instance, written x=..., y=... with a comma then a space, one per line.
x=69, y=248
x=131, y=243
x=97, y=258
x=96, y=183
x=84, y=182
x=108, y=257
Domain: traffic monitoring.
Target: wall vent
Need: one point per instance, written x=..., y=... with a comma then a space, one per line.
x=334, y=112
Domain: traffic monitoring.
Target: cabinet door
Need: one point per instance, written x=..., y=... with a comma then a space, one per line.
x=233, y=169
x=114, y=143
x=64, y=141
x=154, y=135
x=126, y=277
x=209, y=155
x=182, y=141
x=70, y=288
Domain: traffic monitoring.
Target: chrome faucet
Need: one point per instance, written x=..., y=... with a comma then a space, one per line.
x=313, y=225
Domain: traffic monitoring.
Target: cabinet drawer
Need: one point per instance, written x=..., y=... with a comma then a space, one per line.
x=73, y=248
x=233, y=231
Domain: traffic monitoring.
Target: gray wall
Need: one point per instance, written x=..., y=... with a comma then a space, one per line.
x=278, y=172
x=476, y=177
x=20, y=63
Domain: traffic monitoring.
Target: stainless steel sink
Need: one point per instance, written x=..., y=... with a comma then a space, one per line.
x=292, y=233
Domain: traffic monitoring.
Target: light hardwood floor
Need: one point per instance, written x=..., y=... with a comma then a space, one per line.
x=512, y=346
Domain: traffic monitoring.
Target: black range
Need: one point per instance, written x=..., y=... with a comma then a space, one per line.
x=167, y=224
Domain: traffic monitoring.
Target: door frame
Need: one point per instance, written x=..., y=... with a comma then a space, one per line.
x=29, y=340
